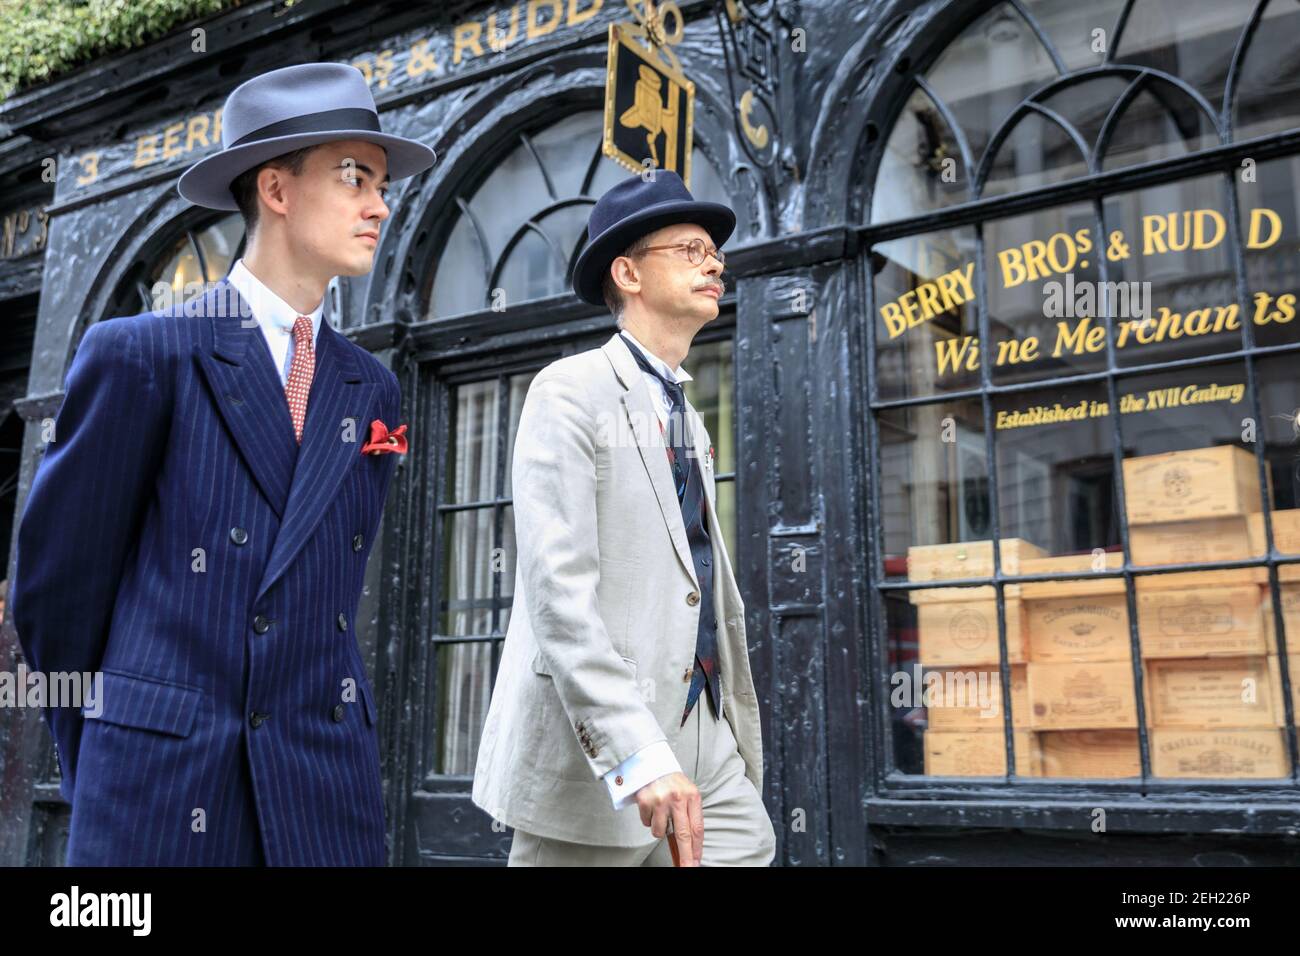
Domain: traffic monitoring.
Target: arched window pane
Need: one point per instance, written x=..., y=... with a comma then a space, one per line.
x=921, y=168
x=462, y=262
x=985, y=74
x=513, y=190
x=1086, y=105
x=1161, y=122
x=1268, y=90
x=532, y=270
x=565, y=149
x=1079, y=32
x=539, y=181
x=1037, y=152
x=1191, y=39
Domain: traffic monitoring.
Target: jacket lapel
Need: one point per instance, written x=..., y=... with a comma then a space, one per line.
x=248, y=394
x=339, y=411
x=644, y=422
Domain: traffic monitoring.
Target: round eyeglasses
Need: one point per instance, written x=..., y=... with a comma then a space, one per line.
x=696, y=251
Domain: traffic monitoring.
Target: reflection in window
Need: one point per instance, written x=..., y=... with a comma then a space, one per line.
x=520, y=229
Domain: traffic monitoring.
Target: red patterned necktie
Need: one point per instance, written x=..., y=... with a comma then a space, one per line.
x=298, y=387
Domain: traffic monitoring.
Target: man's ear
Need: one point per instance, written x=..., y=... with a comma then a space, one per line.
x=270, y=188
x=625, y=274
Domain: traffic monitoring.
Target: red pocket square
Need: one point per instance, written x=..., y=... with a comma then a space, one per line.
x=382, y=440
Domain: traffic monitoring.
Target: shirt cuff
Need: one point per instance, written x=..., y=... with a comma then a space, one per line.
x=645, y=766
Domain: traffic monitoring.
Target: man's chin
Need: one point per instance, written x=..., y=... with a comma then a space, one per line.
x=360, y=266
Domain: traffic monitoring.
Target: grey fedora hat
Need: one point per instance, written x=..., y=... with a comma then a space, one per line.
x=287, y=109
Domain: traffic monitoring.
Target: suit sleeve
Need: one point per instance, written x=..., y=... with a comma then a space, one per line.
x=82, y=516
x=554, y=486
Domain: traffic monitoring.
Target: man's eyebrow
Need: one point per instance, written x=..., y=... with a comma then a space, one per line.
x=364, y=168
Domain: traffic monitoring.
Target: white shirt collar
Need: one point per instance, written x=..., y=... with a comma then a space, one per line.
x=681, y=375
x=271, y=311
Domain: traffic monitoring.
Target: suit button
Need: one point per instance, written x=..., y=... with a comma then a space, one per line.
x=618, y=781
x=256, y=719
x=239, y=535
x=358, y=542
x=693, y=598
x=261, y=625
x=338, y=713
x=686, y=676
x=343, y=621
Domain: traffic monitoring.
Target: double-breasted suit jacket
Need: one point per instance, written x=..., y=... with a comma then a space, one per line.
x=178, y=539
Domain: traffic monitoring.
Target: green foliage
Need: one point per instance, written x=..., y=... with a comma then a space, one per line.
x=39, y=39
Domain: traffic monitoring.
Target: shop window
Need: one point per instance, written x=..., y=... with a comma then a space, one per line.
x=1102, y=386
x=478, y=560
x=518, y=231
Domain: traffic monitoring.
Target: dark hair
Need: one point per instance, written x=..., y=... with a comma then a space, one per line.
x=244, y=186
x=608, y=288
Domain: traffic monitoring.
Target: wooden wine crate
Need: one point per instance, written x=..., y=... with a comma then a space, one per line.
x=979, y=753
x=1275, y=674
x=1082, y=619
x=959, y=626
x=1203, y=614
x=967, y=559
x=1212, y=693
x=1090, y=753
x=1213, y=482
x=1082, y=696
x=964, y=698
x=1186, y=542
x=1289, y=588
x=1220, y=754
x=1286, y=531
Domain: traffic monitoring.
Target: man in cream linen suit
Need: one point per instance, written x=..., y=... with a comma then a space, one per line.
x=624, y=714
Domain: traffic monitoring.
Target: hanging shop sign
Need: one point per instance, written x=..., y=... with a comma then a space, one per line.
x=649, y=102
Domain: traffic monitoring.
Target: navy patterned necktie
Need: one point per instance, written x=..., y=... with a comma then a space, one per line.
x=690, y=497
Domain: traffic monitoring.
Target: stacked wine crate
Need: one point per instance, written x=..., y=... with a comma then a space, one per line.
x=1210, y=671
x=1211, y=675
x=957, y=636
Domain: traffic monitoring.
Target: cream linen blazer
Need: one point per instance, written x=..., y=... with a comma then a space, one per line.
x=601, y=640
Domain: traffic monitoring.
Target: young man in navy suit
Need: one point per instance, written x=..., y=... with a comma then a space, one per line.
x=198, y=531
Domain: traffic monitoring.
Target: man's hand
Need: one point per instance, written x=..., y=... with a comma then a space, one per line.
x=673, y=797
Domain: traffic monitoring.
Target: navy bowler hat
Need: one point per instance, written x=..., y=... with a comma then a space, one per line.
x=630, y=210
x=287, y=109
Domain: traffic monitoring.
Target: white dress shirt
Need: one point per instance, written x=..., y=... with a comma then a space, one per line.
x=274, y=316
x=657, y=759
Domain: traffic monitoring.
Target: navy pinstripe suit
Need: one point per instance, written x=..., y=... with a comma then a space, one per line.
x=231, y=730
